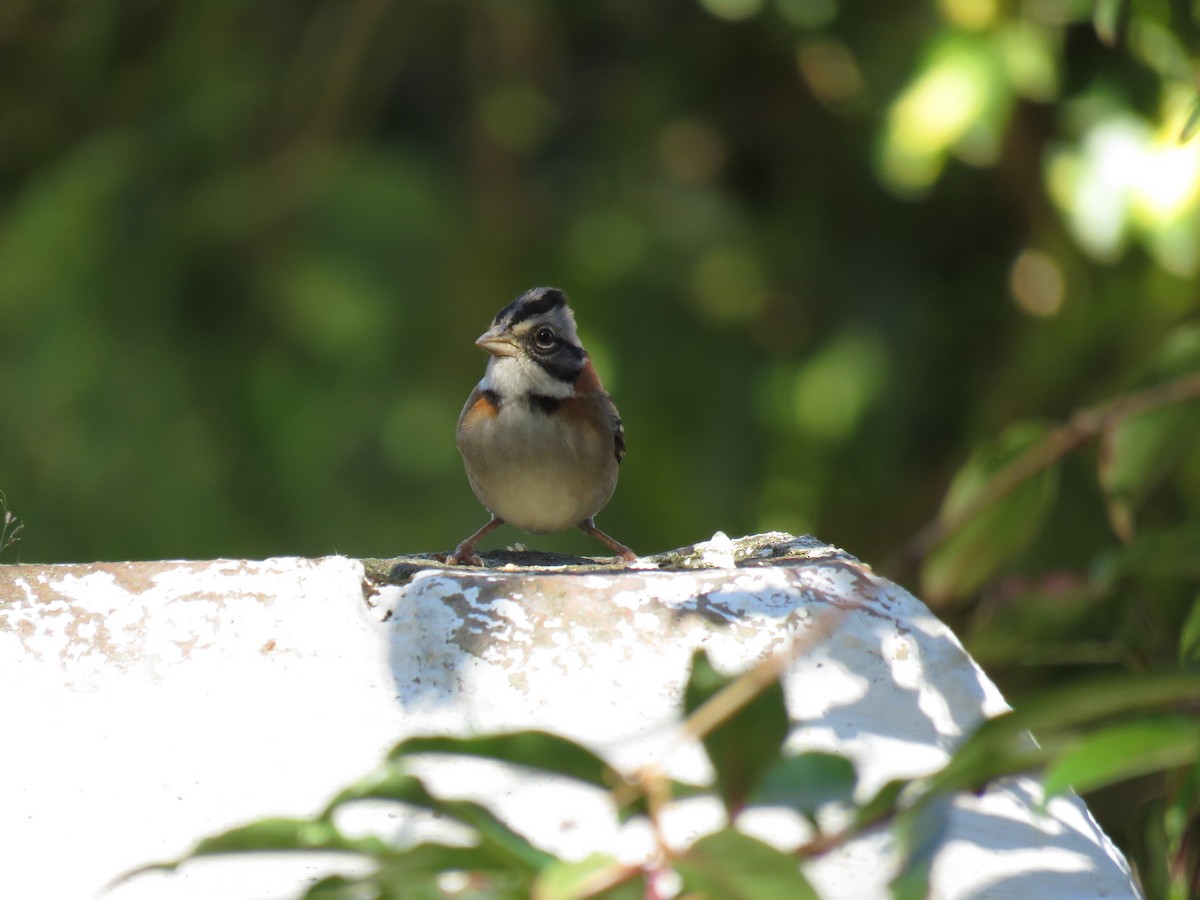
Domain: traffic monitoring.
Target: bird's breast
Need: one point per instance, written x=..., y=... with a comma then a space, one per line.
x=539, y=471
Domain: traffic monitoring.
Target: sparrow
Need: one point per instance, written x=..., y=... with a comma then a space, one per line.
x=540, y=438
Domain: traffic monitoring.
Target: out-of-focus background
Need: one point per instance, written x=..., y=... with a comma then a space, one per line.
x=821, y=252
x=817, y=249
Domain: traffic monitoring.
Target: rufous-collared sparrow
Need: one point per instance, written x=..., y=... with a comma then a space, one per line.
x=540, y=437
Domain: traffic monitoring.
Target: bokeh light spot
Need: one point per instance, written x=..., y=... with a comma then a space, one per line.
x=733, y=10
x=517, y=116
x=971, y=14
x=1029, y=61
x=333, y=306
x=1168, y=185
x=807, y=13
x=1036, y=283
x=728, y=283
x=837, y=385
x=1127, y=178
x=831, y=71
x=607, y=243
x=691, y=150
x=947, y=102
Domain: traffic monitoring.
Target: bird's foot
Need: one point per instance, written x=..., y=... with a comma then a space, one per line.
x=464, y=555
x=623, y=552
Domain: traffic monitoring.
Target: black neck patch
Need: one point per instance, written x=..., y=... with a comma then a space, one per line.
x=543, y=403
x=563, y=363
x=492, y=397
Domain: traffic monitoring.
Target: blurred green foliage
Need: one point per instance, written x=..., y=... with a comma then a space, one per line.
x=818, y=253
x=823, y=254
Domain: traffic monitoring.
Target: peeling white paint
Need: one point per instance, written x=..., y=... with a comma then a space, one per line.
x=149, y=704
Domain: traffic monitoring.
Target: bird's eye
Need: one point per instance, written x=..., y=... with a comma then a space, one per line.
x=544, y=338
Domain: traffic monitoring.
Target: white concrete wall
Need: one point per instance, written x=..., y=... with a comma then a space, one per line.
x=144, y=705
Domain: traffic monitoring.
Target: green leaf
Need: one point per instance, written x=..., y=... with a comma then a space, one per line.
x=730, y=865
x=539, y=750
x=744, y=746
x=390, y=782
x=920, y=833
x=285, y=834
x=597, y=875
x=272, y=835
x=413, y=873
x=1110, y=19
x=1141, y=451
x=807, y=782
x=428, y=858
x=1168, y=553
x=1095, y=699
x=338, y=887
x=1003, y=746
x=998, y=533
x=1152, y=848
x=1125, y=751
x=880, y=806
x=998, y=748
x=1192, y=124
x=1189, y=638
x=496, y=835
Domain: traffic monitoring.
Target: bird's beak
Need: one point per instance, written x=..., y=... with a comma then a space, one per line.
x=497, y=341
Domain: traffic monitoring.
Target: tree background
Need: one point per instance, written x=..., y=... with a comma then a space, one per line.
x=822, y=253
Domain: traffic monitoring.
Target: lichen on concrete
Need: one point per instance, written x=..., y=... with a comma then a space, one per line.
x=771, y=548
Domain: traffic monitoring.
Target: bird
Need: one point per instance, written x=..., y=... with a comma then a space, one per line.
x=540, y=438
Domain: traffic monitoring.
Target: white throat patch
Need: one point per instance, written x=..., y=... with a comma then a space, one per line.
x=519, y=376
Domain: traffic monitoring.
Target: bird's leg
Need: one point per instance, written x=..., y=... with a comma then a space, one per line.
x=588, y=526
x=464, y=554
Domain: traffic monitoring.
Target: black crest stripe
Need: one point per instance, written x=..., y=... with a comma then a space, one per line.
x=532, y=303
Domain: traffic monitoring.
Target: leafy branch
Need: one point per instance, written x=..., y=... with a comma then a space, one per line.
x=999, y=502
x=1001, y=497
x=1085, y=425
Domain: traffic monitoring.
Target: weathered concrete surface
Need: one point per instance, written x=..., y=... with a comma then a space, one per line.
x=146, y=704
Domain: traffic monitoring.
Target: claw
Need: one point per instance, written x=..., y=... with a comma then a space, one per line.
x=464, y=557
x=464, y=554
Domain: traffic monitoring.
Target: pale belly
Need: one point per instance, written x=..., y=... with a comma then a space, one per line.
x=541, y=502
x=534, y=477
